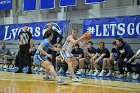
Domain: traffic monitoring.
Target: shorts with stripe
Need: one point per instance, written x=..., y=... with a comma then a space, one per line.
x=38, y=59
x=66, y=54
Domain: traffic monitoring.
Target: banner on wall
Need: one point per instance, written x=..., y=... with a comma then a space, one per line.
x=94, y=1
x=5, y=4
x=10, y=32
x=121, y=27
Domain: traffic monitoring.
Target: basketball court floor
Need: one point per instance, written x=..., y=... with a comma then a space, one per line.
x=24, y=83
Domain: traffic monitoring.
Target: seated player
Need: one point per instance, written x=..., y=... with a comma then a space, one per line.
x=111, y=60
x=89, y=53
x=136, y=56
x=77, y=52
x=102, y=54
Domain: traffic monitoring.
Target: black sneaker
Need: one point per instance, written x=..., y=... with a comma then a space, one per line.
x=29, y=72
x=19, y=71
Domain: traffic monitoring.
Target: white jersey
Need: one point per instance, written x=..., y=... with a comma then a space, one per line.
x=68, y=45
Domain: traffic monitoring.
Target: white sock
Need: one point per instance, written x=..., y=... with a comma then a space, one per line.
x=109, y=71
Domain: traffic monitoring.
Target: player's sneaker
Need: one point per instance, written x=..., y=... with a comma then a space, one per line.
x=95, y=73
x=62, y=82
x=90, y=72
x=101, y=74
x=108, y=74
x=75, y=79
x=135, y=76
x=48, y=78
x=80, y=72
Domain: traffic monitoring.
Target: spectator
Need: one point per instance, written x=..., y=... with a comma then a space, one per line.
x=5, y=54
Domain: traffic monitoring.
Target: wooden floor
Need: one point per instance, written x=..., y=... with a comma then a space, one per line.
x=23, y=83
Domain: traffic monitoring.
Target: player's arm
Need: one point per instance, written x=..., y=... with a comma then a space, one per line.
x=101, y=57
x=76, y=41
x=58, y=49
x=40, y=48
x=95, y=56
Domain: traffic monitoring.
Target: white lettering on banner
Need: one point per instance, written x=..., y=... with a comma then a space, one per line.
x=5, y=2
x=37, y=31
x=138, y=28
x=115, y=29
x=105, y=29
x=121, y=29
x=130, y=29
x=113, y=26
x=91, y=30
x=11, y=34
x=14, y=31
x=6, y=33
x=97, y=31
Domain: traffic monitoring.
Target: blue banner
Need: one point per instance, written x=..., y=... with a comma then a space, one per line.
x=93, y=1
x=47, y=4
x=29, y=5
x=5, y=4
x=123, y=27
x=65, y=3
x=10, y=32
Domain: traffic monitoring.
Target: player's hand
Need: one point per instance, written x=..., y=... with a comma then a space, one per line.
x=30, y=50
x=129, y=61
x=49, y=56
x=115, y=62
x=20, y=43
x=125, y=60
x=83, y=36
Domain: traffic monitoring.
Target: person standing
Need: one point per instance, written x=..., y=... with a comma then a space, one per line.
x=54, y=42
x=25, y=41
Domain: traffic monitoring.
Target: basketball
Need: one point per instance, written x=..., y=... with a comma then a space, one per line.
x=87, y=36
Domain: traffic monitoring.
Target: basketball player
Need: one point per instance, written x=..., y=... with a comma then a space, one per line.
x=41, y=56
x=68, y=56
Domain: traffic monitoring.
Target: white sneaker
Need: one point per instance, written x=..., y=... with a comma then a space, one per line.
x=41, y=69
x=5, y=66
x=62, y=82
x=75, y=79
x=101, y=74
x=108, y=74
x=67, y=72
x=36, y=68
x=120, y=76
x=80, y=72
x=95, y=74
x=135, y=76
x=90, y=72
